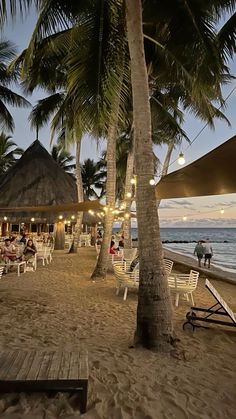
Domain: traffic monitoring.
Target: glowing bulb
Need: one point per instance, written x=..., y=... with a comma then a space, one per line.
x=222, y=211
x=60, y=217
x=152, y=182
x=129, y=194
x=72, y=217
x=65, y=222
x=184, y=218
x=91, y=212
x=5, y=218
x=127, y=215
x=99, y=222
x=105, y=209
x=181, y=159
x=132, y=181
x=32, y=219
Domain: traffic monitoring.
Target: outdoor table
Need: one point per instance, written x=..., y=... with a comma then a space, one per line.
x=17, y=264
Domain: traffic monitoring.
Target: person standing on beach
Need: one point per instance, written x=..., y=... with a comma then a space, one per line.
x=208, y=253
x=199, y=251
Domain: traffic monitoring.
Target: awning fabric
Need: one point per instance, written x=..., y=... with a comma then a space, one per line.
x=80, y=206
x=212, y=174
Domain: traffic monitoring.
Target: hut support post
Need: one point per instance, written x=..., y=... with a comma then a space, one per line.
x=59, y=234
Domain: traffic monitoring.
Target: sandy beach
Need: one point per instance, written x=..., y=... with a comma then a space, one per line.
x=59, y=307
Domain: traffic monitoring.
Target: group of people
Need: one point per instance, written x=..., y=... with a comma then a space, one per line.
x=9, y=249
x=204, y=249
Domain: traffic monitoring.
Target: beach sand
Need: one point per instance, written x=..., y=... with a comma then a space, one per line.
x=59, y=307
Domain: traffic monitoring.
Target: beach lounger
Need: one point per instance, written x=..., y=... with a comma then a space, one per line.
x=45, y=371
x=220, y=308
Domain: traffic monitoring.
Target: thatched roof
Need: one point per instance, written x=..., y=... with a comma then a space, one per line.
x=36, y=179
x=212, y=174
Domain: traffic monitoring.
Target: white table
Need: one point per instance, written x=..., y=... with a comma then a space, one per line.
x=17, y=264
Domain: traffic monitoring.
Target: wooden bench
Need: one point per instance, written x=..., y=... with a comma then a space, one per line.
x=33, y=371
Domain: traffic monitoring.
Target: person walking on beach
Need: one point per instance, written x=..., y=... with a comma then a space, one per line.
x=208, y=253
x=199, y=251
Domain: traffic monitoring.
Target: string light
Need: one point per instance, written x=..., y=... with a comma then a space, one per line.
x=184, y=218
x=201, y=130
x=72, y=217
x=91, y=212
x=152, y=182
x=60, y=217
x=5, y=218
x=181, y=159
x=129, y=194
x=222, y=211
x=133, y=181
x=127, y=215
x=32, y=219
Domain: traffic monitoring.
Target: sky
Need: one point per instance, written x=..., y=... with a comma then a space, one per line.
x=197, y=212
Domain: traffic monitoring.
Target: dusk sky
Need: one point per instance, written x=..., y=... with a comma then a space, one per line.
x=202, y=212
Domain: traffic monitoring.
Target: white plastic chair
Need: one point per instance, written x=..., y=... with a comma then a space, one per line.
x=126, y=279
x=168, y=265
x=182, y=284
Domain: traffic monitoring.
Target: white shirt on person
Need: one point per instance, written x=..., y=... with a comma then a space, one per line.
x=207, y=248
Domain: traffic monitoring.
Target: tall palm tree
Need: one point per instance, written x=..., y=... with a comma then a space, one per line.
x=93, y=179
x=63, y=159
x=8, y=152
x=7, y=96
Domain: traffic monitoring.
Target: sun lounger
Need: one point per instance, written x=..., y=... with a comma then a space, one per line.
x=45, y=371
x=220, y=308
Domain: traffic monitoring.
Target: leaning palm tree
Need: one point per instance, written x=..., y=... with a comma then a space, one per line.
x=7, y=96
x=8, y=152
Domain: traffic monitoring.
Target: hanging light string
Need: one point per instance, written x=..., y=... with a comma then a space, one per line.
x=200, y=132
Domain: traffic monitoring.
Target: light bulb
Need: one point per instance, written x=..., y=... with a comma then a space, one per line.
x=222, y=211
x=132, y=181
x=152, y=182
x=91, y=212
x=60, y=217
x=129, y=194
x=184, y=218
x=181, y=159
x=5, y=218
x=127, y=215
x=72, y=217
x=32, y=219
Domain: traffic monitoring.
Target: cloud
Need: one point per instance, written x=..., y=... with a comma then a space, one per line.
x=204, y=222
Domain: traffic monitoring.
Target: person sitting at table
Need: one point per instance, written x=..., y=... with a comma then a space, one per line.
x=29, y=250
x=9, y=251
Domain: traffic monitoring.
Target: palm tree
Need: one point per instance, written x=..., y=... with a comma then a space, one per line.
x=93, y=179
x=7, y=96
x=63, y=159
x=8, y=152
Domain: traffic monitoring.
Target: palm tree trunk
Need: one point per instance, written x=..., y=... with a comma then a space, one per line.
x=103, y=258
x=80, y=194
x=154, y=313
x=128, y=201
x=166, y=163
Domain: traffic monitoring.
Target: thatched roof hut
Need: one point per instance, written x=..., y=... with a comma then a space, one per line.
x=36, y=179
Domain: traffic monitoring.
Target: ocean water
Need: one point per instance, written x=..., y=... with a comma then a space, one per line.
x=223, y=241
